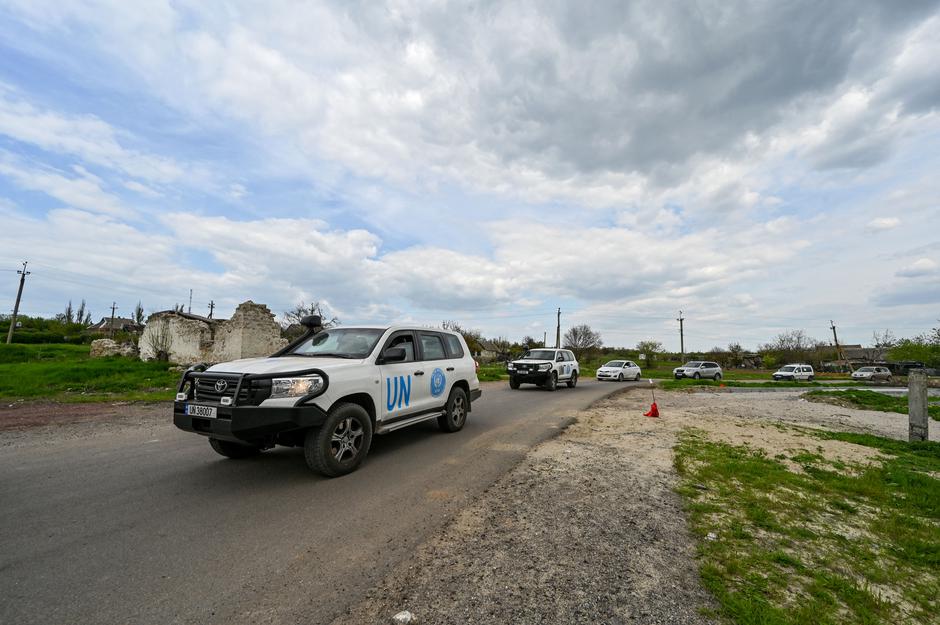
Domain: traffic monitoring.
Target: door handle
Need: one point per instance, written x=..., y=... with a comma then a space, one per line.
x=419, y=372
x=450, y=368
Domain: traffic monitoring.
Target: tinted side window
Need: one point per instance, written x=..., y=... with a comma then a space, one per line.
x=432, y=347
x=454, y=349
x=406, y=341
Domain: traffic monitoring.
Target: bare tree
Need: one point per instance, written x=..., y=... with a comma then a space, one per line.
x=159, y=339
x=502, y=347
x=649, y=349
x=582, y=338
x=791, y=346
x=68, y=316
x=885, y=340
x=301, y=310
x=81, y=313
x=528, y=342
x=735, y=354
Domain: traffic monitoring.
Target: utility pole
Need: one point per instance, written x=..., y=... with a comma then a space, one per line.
x=558, y=331
x=839, y=352
x=544, y=337
x=190, y=309
x=16, y=307
x=211, y=308
x=114, y=307
x=681, y=337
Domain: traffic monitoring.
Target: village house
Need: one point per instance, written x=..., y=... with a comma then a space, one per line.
x=107, y=325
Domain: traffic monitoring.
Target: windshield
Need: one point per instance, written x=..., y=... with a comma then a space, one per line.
x=615, y=363
x=694, y=364
x=540, y=354
x=866, y=369
x=788, y=368
x=340, y=343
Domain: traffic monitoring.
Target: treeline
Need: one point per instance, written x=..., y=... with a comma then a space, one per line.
x=69, y=326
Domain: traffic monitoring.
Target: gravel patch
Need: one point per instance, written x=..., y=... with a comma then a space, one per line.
x=588, y=529
x=44, y=423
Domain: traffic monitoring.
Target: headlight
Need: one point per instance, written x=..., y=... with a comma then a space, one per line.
x=510, y=367
x=296, y=387
x=545, y=367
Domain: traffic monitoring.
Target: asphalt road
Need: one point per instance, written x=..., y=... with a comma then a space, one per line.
x=149, y=525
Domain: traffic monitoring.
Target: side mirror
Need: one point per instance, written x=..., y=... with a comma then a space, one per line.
x=394, y=354
x=312, y=321
x=560, y=358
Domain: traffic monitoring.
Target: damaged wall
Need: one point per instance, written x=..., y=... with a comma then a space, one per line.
x=188, y=339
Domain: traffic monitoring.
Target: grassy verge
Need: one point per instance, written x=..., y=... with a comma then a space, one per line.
x=800, y=539
x=870, y=400
x=65, y=373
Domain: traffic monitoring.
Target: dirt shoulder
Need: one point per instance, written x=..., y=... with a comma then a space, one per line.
x=588, y=527
x=30, y=422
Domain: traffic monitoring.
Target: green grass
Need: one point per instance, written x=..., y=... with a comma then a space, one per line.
x=871, y=400
x=821, y=543
x=66, y=373
x=672, y=385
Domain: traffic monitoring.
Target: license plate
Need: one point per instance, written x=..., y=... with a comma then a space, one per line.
x=194, y=410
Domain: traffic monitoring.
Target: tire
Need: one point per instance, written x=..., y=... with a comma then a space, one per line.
x=811, y=378
x=573, y=381
x=620, y=378
x=552, y=382
x=696, y=376
x=455, y=412
x=513, y=383
x=339, y=445
x=888, y=379
x=637, y=378
x=717, y=377
x=233, y=450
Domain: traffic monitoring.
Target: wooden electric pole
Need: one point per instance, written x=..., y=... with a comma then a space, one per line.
x=839, y=352
x=114, y=307
x=681, y=338
x=558, y=331
x=16, y=306
x=211, y=308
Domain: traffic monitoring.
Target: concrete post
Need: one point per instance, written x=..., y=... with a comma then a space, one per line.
x=917, y=405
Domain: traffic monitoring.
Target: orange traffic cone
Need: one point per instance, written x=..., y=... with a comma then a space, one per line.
x=654, y=409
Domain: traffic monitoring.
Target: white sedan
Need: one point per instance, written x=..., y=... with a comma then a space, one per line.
x=619, y=370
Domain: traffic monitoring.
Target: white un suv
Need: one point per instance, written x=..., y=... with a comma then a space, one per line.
x=329, y=392
x=544, y=367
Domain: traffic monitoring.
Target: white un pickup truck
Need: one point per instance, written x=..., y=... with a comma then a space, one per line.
x=329, y=392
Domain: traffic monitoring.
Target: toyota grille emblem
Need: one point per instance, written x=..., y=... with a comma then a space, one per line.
x=220, y=386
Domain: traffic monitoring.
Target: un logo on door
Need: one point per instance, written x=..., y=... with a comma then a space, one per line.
x=438, y=382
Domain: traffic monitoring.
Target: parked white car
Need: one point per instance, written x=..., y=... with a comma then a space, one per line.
x=872, y=374
x=698, y=369
x=544, y=367
x=619, y=370
x=329, y=392
x=795, y=373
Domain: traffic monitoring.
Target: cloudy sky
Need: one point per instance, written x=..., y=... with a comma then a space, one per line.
x=762, y=166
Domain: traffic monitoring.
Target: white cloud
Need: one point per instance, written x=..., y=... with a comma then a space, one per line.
x=883, y=223
x=82, y=191
x=86, y=137
x=920, y=267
